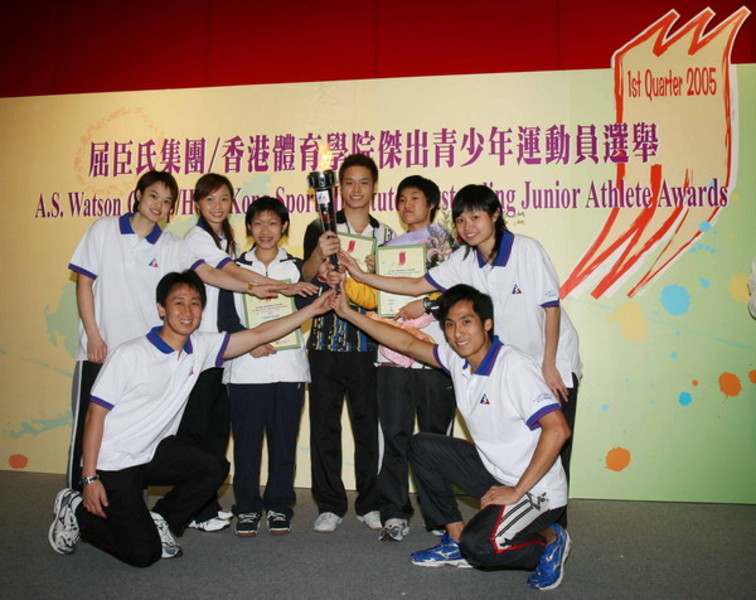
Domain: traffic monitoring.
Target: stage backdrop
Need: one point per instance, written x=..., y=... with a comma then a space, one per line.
x=637, y=179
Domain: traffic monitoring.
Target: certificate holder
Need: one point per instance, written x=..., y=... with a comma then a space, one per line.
x=259, y=310
x=358, y=247
x=398, y=261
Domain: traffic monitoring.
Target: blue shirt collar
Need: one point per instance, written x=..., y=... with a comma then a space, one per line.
x=161, y=345
x=505, y=250
x=486, y=365
x=124, y=224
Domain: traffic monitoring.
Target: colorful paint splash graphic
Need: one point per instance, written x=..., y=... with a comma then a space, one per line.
x=617, y=459
x=675, y=299
x=730, y=384
x=17, y=461
x=631, y=321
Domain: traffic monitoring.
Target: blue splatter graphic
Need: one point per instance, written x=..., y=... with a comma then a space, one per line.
x=675, y=300
x=704, y=226
x=705, y=283
x=673, y=355
x=684, y=399
x=604, y=407
x=39, y=426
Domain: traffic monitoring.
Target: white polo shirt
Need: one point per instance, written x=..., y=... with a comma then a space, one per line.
x=521, y=282
x=145, y=384
x=201, y=243
x=285, y=365
x=126, y=271
x=502, y=404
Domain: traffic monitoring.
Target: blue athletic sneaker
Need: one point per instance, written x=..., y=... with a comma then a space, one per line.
x=446, y=552
x=548, y=574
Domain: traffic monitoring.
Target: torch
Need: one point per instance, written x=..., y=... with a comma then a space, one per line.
x=322, y=182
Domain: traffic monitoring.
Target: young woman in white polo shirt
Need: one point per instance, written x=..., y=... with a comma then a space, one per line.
x=518, y=275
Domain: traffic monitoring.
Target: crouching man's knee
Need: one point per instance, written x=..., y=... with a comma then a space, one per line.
x=143, y=556
x=482, y=549
x=477, y=547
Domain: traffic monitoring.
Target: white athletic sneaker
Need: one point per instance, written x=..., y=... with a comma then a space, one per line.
x=171, y=549
x=371, y=519
x=64, y=531
x=327, y=522
x=394, y=530
x=226, y=515
x=214, y=524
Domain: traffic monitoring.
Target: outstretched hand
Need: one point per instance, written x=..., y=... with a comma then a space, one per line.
x=351, y=265
x=266, y=290
x=411, y=310
x=301, y=288
x=328, y=243
x=322, y=304
x=339, y=303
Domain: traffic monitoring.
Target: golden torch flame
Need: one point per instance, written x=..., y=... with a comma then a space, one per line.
x=326, y=156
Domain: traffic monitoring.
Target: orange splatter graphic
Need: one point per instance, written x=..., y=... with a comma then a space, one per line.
x=695, y=382
x=752, y=376
x=617, y=459
x=18, y=461
x=730, y=385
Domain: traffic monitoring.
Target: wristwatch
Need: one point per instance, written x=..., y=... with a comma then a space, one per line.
x=428, y=305
x=85, y=481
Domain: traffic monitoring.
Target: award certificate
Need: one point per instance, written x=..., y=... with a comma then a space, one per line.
x=398, y=261
x=358, y=247
x=258, y=311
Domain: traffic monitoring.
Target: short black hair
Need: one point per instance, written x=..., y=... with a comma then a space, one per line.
x=174, y=279
x=427, y=187
x=266, y=204
x=151, y=177
x=481, y=303
x=359, y=160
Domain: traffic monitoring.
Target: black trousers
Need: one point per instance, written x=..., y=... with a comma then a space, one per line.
x=334, y=376
x=497, y=536
x=273, y=411
x=206, y=423
x=569, y=410
x=83, y=380
x=128, y=532
x=404, y=394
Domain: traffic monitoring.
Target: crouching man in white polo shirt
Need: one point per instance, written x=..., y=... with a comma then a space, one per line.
x=129, y=442
x=513, y=464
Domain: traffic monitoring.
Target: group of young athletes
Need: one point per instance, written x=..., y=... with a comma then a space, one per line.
x=159, y=388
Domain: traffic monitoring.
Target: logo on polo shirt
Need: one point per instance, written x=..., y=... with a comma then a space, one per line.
x=153, y=263
x=516, y=289
x=484, y=400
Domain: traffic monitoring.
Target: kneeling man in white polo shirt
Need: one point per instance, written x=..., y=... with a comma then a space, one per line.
x=513, y=464
x=129, y=437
